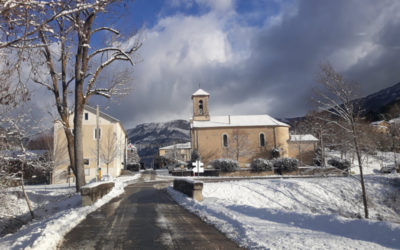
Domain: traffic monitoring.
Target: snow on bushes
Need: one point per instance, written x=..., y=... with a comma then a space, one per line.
x=194, y=156
x=275, y=152
x=286, y=164
x=260, y=164
x=225, y=165
x=339, y=163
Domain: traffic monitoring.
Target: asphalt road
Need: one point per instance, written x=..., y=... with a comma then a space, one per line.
x=144, y=217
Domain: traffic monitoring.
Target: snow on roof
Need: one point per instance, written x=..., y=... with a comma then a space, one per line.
x=238, y=121
x=102, y=114
x=105, y=116
x=395, y=120
x=377, y=123
x=200, y=92
x=306, y=137
x=186, y=145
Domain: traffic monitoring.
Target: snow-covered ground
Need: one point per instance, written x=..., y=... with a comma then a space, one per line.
x=57, y=211
x=45, y=200
x=319, y=213
x=371, y=163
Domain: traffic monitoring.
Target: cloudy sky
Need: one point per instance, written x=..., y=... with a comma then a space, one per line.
x=254, y=57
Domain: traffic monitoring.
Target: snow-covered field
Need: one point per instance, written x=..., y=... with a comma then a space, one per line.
x=371, y=163
x=320, y=213
x=57, y=211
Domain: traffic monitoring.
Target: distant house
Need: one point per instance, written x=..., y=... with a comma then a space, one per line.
x=382, y=126
x=303, y=147
x=241, y=137
x=112, y=150
x=180, y=151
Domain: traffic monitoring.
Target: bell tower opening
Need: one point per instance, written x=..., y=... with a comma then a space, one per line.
x=200, y=105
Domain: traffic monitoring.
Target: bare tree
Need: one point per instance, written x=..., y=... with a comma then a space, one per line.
x=13, y=166
x=238, y=145
x=394, y=130
x=336, y=98
x=109, y=148
x=319, y=125
x=61, y=42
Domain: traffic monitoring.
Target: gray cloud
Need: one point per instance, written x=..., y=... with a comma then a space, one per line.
x=269, y=68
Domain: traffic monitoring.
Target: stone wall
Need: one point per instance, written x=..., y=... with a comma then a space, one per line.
x=246, y=172
x=91, y=193
x=193, y=189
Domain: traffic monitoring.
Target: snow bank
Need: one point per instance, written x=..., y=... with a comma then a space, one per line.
x=316, y=213
x=47, y=233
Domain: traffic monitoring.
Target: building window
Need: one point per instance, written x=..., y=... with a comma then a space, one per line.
x=225, y=140
x=86, y=116
x=86, y=161
x=201, y=107
x=262, y=140
x=95, y=134
x=87, y=171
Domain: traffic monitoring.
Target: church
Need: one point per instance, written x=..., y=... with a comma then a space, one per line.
x=238, y=137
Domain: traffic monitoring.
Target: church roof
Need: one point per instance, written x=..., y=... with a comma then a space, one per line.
x=238, y=121
x=200, y=92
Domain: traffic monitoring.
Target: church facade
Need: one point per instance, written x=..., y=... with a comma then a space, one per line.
x=241, y=138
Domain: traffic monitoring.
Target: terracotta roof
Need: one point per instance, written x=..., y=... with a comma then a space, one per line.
x=238, y=121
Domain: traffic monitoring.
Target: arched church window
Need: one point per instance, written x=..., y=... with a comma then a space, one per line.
x=201, y=107
x=225, y=140
x=262, y=140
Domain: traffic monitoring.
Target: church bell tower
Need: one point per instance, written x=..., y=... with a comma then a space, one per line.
x=200, y=105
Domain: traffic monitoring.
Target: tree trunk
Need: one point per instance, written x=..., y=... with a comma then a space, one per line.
x=28, y=202
x=70, y=146
x=322, y=151
x=78, y=135
x=364, y=194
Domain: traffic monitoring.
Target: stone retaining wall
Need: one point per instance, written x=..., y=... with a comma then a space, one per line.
x=91, y=193
x=193, y=189
x=246, y=172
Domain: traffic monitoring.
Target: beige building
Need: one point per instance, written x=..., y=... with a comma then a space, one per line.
x=236, y=137
x=382, y=126
x=302, y=147
x=180, y=151
x=112, y=150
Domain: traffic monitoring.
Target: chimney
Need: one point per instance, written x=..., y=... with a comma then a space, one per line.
x=229, y=119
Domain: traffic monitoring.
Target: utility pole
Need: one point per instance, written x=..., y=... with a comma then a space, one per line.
x=98, y=142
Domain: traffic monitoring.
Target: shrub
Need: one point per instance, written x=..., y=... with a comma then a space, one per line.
x=195, y=155
x=286, y=164
x=276, y=153
x=317, y=161
x=339, y=163
x=388, y=170
x=225, y=165
x=260, y=164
